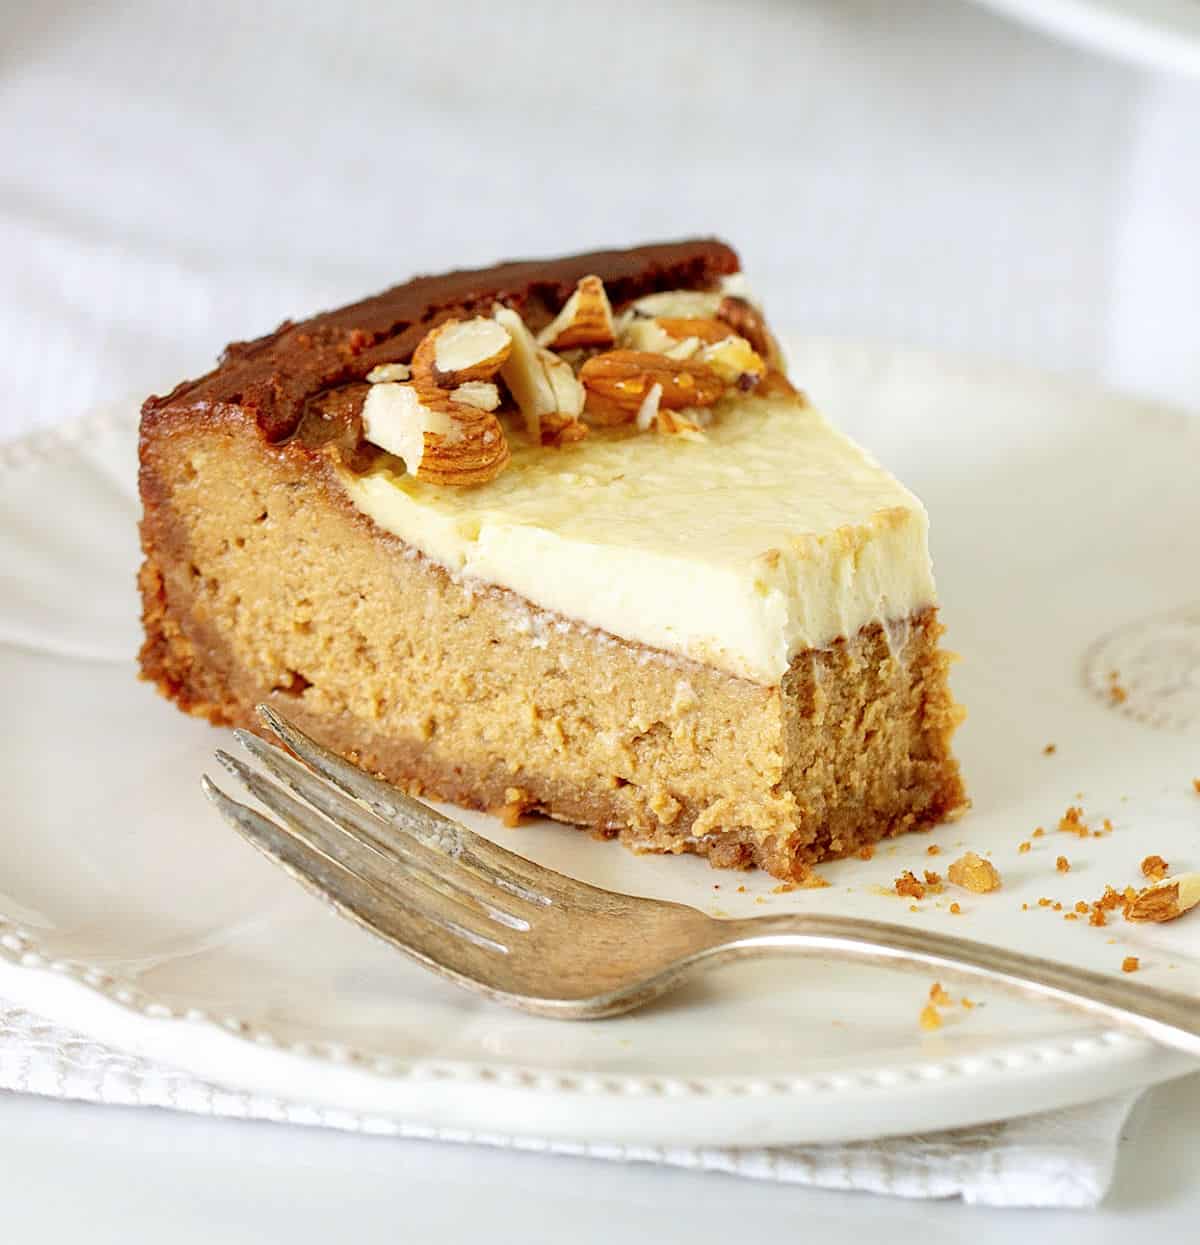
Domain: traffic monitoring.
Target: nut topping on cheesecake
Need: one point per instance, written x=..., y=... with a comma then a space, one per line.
x=585, y=320
x=460, y=350
x=662, y=364
x=439, y=439
x=542, y=384
x=619, y=381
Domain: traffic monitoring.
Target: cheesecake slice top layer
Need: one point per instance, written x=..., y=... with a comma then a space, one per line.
x=773, y=534
x=699, y=507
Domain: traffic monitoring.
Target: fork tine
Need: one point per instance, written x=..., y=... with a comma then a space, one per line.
x=511, y=872
x=416, y=933
x=342, y=849
x=395, y=848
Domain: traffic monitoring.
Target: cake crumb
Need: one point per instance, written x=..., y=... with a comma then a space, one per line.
x=938, y=996
x=1044, y=902
x=1039, y=832
x=930, y=1017
x=934, y=850
x=932, y=878
x=815, y=882
x=866, y=851
x=1063, y=865
x=1024, y=907
x=914, y=907
x=907, y=884
x=1130, y=964
x=955, y=909
x=783, y=888
x=966, y=1002
x=975, y=874
x=741, y=890
x=1196, y=785
x=1049, y=750
x=1117, y=693
x=1024, y=847
x=1070, y=916
x=1072, y=822
x=1155, y=868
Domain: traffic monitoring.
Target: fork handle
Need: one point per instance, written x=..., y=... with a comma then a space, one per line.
x=1166, y=1017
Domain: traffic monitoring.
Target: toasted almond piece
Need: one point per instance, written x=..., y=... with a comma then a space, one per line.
x=481, y=394
x=1165, y=900
x=586, y=319
x=708, y=331
x=540, y=382
x=746, y=321
x=457, y=351
x=441, y=441
x=624, y=378
x=735, y=362
x=389, y=371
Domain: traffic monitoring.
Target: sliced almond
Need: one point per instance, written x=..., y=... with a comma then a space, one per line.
x=648, y=412
x=458, y=351
x=1165, y=900
x=540, y=382
x=688, y=304
x=439, y=440
x=623, y=378
x=481, y=394
x=585, y=320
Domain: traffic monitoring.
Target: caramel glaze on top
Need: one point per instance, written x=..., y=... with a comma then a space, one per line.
x=306, y=381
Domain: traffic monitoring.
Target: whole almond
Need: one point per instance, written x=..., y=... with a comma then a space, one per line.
x=621, y=379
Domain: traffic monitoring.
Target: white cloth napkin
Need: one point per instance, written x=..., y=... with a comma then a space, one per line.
x=1061, y=1158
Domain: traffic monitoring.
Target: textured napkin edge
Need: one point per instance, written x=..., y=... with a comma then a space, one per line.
x=1062, y=1159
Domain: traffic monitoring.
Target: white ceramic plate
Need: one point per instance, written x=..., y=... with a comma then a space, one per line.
x=1060, y=516
x=1164, y=34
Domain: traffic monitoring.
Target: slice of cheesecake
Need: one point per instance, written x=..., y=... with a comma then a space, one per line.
x=557, y=537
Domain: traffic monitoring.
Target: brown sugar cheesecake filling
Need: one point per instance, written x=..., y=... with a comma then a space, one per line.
x=558, y=537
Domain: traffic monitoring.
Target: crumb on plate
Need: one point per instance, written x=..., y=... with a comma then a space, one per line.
x=975, y=874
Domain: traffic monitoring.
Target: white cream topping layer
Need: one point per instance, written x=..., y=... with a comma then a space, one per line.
x=774, y=535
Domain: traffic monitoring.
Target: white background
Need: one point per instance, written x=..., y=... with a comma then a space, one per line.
x=174, y=175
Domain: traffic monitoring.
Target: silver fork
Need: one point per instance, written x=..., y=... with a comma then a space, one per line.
x=533, y=939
